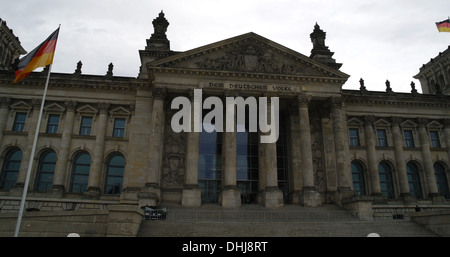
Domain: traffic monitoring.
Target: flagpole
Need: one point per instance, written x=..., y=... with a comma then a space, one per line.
x=30, y=163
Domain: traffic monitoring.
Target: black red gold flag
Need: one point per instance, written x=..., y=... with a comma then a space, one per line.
x=41, y=56
x=443, y=26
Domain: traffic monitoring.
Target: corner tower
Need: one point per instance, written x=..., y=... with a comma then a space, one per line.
x=320, y=51
x=158, y=46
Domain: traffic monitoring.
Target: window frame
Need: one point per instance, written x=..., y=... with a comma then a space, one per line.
x=16, y=122
x=435, y=142
x=52, y=128
x=119, y=129
x=382, y=141
x=40, y=172
x=108, y=175
x=406, y=140
x=84, y=127
x=354, y=137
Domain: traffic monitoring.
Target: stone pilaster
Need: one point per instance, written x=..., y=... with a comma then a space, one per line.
x=151, y=193
x=64, y=148
x=191, y=195
x=427, y=159
x=371, y=155
x=4, y=110
x=231, y=195
x=95, y=173
x=338, y=116
x=400, y=159
x=310, y=196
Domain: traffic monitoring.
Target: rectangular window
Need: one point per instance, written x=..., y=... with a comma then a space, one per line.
x=354, y=136
x=119, y=127
x=434, y=136
x=19, y=121
x=382, y=139
x=409, y=140
x=52, y=124
x=86, y=125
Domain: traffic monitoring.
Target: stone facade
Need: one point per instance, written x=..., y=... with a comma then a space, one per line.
x=107, y=141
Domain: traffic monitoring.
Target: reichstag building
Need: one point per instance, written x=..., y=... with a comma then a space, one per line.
x=107, y=146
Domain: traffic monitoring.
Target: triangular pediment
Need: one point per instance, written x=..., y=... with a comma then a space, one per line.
x=382, y=123
x=248, y=53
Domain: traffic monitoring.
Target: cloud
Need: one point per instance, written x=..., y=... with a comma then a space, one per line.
x=375, y=40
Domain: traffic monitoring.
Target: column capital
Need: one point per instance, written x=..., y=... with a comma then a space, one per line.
x=423, y=122
x=159, y=92
x=337, y=102
x=192, y=93
x=36, y=103
x=5, y=101
x=396, y=121
x=103, y=107
x=70, y=105
x=303, y=100
x=369, y=120
x=447, y=123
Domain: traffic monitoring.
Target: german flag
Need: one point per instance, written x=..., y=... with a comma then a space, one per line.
x=443, y=26
x=41, y=56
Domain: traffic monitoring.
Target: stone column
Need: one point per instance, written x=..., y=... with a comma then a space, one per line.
x=295, y=154
x=400, y=159
x=427, y=160
x=371, y=156
x=4, y=110
x=338, y=116
x=310, y=196
x=64, y=149
x=231, y=196
x=191, y=196
x=95, y=173
x=272, y=196
x=151, y=194
x=32, y=121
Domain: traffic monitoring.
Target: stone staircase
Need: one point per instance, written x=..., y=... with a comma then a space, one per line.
x=291, y=221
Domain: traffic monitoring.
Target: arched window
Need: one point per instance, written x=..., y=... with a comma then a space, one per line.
x=358, y=178
x=10, y=169
x=114, y=174
x=415, y=188
x=80, y=173
x=387, y=187
x=46, y=169
x=441, y=180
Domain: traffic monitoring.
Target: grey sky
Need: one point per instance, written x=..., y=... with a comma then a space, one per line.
x=374, y=39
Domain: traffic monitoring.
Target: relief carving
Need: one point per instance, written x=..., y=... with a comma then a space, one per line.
x=317, y=152
x=253, y=58
x=174, y=156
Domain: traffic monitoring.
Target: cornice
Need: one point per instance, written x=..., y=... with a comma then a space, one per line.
x=36, y=79
x=396, y=99
x=237, y=74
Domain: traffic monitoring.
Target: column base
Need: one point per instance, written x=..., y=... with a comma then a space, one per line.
x=191, y=197
x=310, y=198
x=273, y=198
x=92, y=192
x=231, y=197
x=437, y=198
x=408, y=198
